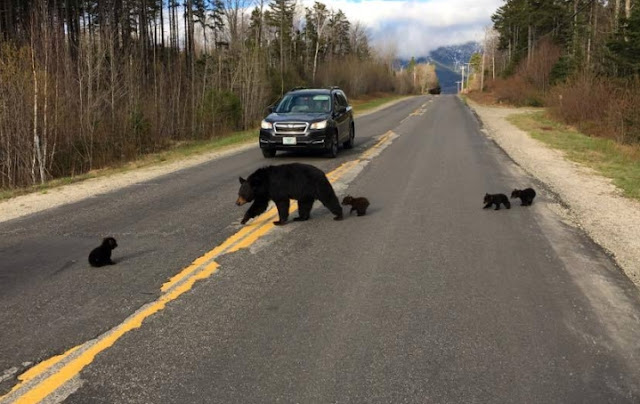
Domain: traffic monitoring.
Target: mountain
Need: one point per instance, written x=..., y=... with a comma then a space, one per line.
x=448, y=60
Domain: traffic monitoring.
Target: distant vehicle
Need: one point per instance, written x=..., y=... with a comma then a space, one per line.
x=308, y=119
x=435, y=90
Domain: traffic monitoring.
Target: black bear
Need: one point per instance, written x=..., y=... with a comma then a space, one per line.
x=496, y=199
x=526, y=195
x=358, y=204
x=302, y=182
x=101, y=255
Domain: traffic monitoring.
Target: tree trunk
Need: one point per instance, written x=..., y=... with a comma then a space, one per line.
x=282, y=53
x=529, y=44
x=315, y=60
x=37, y=151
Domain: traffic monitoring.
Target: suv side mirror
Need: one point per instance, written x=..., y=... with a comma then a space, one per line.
x=270, y=109
x=341, y=109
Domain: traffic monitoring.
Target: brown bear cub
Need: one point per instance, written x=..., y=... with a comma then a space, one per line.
x=496, y=199
x=101, y=255
x=525, y=195
x=358, y=204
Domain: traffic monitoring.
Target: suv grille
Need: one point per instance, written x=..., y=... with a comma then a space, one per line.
x=290, y=128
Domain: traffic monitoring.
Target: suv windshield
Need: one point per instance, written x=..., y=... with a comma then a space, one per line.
x=304, y=103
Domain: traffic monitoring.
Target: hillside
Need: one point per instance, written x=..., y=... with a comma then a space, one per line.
x=448, y=60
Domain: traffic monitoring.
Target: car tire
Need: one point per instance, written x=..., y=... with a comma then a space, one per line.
x=333, y=151
x=268, y=153
x=352, y=134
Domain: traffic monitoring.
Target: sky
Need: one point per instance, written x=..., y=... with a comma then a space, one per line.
x=414, y=28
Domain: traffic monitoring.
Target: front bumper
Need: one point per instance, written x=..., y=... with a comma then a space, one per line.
x=313, y=139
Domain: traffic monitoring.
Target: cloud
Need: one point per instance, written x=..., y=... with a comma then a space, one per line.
x=417, y=27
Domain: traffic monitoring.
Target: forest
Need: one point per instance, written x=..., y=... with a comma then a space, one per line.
x=89, y=83
x=580, y=58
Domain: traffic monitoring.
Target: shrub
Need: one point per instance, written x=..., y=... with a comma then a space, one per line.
x=599, y=107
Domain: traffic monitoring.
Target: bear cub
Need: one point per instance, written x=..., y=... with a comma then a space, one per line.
x=101, y=255
x=359, y=204
x=302, y=182
x=496, y=199
x=525, y=195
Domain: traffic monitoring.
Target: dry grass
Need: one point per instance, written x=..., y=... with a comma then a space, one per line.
x=366, y=102
x=181, y=150
x=599, y=107
x=620, y=162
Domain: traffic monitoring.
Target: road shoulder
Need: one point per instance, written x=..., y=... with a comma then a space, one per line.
x=594, y=203
x=35, y=202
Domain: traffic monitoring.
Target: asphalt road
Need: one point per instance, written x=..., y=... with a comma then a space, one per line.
x=428, y=298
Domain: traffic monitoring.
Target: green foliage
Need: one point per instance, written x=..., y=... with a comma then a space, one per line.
x=561, y=70
x=545, y=17
x=339, y=28
x=138, y=123
x=625, y=45
x=412, y=64
x=476, y=62
x=224, y=107
x=280, y=18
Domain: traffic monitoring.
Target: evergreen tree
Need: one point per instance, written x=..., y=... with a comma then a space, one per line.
x=625, y=45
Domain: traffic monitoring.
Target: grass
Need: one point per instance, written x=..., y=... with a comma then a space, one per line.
x=372, y=101
x=620, y=162
x=179, y=151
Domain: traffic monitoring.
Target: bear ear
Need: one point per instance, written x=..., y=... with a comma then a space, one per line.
x=242, y=180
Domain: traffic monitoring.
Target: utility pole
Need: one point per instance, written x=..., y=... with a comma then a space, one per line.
x=468, y=74
x=482, y=69
x=462, y=81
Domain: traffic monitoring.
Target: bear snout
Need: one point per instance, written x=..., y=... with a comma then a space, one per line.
x=240, y=201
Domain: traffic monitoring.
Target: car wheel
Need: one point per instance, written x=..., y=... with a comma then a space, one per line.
x=333, y=151
x=268, y=153
x=352, y=134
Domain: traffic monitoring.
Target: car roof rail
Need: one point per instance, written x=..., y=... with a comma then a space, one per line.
x=298, y=88
x=334, y=88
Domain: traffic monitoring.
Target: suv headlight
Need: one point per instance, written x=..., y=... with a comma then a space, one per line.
x=318, y=125
x=266, y=125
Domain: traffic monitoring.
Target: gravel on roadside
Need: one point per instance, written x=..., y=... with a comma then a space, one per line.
x=57, y=196
x=595, y=204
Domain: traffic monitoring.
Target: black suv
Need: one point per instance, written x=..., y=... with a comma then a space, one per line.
x=305, y=119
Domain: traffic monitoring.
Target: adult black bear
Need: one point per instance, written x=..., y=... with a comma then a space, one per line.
x=526, y=195
x=302, y=182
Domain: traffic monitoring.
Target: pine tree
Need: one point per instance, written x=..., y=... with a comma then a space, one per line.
x=625, y=45
x=280, y=18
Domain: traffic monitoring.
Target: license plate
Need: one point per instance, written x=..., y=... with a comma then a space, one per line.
x=288, y=140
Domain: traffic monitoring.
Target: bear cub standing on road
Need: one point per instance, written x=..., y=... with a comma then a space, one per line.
x=358, y=204
x=302, y=182
x=101, y=255
x=525, y=195
x=496, y=199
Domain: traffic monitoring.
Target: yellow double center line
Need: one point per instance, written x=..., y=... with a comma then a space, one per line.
x=41, y=380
